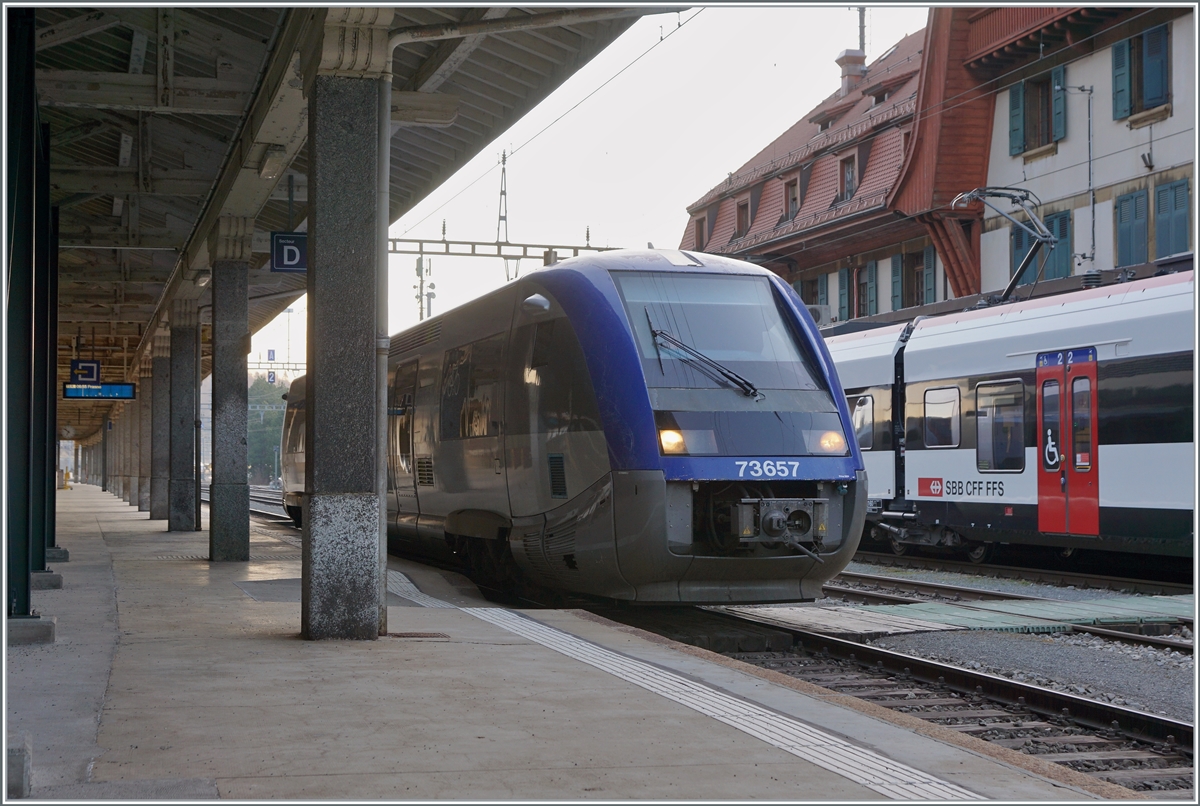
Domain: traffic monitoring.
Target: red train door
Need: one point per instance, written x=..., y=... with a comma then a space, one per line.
x=1068, y=491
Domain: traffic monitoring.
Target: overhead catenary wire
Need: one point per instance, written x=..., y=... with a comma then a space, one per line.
x=662, y=38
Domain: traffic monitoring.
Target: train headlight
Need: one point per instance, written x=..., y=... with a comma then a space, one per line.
x=831, y=442
x=672, y=441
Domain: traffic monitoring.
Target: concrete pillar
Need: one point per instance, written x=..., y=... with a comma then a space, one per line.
x=119, y=450
x=229, y=493
x=75, y=463
x=145, y=430
x=339, y=585
x=133, y=413
x=160, y=434
x=105, y=439
x=181, y=516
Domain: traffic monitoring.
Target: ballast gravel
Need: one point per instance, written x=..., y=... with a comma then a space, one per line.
x=1161, y=681
x=1141, y=678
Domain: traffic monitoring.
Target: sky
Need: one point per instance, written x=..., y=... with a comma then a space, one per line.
x=662, y=115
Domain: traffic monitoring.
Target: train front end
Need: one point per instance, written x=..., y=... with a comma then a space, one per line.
x=733, y=475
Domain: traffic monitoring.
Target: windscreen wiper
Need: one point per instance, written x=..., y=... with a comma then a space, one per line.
x=748, y=389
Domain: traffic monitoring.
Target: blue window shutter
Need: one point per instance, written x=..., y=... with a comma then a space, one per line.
x=930, y=275
x=822, y=289
x=1140, y=243
x=1016, y=118
x=1122, y=91
x=1058, y=102
x=1183, y=216
x=897, y=283
x=872, y=295
x=1124, y=215
x=1060, y=226
x=843, y=295
x=1171, y=209
x=1154, y=67
x=1022, y=241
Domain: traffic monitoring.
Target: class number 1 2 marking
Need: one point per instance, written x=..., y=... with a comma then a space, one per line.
x=771, y=468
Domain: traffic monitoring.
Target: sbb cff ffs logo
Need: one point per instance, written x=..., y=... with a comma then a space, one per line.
x=929, y=487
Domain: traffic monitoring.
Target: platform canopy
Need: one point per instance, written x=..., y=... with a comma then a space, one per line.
x=162, y=120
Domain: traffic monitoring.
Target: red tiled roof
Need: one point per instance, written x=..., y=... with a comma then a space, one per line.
x=858, y=117
x=804, y=137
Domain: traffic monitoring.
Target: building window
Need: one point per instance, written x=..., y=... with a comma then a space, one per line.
x=791, y=196
x=1000, y=426
x=879, y=97
x=905, y=139
x=824, y=125
x=1037, y=112
x=743, y=219
x=1132, y=214
x=866, y=300
x=1171, y=218
x=847, y=179
x=809, y=291
x=1053, y=263
x=913, y=276
x=1141, y=75
x=941, y=418
x=699, y=234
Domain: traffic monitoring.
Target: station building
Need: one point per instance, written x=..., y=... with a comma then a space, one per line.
x=1090, y=109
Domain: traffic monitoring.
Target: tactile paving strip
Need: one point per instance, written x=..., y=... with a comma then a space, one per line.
x=204, y=557
x=829, y=752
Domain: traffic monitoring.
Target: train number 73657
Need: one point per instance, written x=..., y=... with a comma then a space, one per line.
x=771, y=468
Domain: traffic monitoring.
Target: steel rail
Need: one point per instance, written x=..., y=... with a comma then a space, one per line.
x=1102, y=716
x=1049, y=577
x=976, y=594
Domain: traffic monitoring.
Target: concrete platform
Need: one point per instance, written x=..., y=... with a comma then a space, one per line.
x=176, y=678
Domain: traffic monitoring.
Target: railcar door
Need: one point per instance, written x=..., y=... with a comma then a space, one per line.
x=1068, y=490
x=402, y=492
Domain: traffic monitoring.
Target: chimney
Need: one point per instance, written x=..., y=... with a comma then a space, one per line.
x=853, y=64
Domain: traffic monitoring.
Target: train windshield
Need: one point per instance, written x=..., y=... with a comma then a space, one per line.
x=734, y=320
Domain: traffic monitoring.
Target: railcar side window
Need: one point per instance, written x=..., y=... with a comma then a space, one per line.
x=942, y=426
x=1081, y=424
x=470, y=383
x=293, y=426
x=862, y=415
x=1000, y=426
x=1050, y=426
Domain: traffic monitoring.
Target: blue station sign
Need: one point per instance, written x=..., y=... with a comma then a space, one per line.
x=106, y=391
x=85, y=371
x=289, y=251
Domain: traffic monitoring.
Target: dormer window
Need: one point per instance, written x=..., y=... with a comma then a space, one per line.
x=743, y=219
x=699, y=234
x=791, y=198
x=879, y=97
x=847, y=179
x=825, y=124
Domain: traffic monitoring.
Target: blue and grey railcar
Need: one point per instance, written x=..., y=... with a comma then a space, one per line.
x=1062, y=421
x=649, y=426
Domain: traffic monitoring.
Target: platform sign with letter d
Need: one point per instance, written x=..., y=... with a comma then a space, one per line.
x=289, y=251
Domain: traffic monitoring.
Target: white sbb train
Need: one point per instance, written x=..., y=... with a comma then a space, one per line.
x=1062, y=421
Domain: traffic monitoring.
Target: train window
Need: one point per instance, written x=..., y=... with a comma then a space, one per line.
x=549, y=389
x=1050, y=426
x=862, y=415
x=293, y=428
x=942, y=427
x=470, y=383
x=1081, y=424
x=730, y=318
x=1000, y=426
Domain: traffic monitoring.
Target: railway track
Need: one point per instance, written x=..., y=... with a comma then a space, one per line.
x=1044, y=576
x=264, y=502
x=1138, y=750
x=873, y=589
